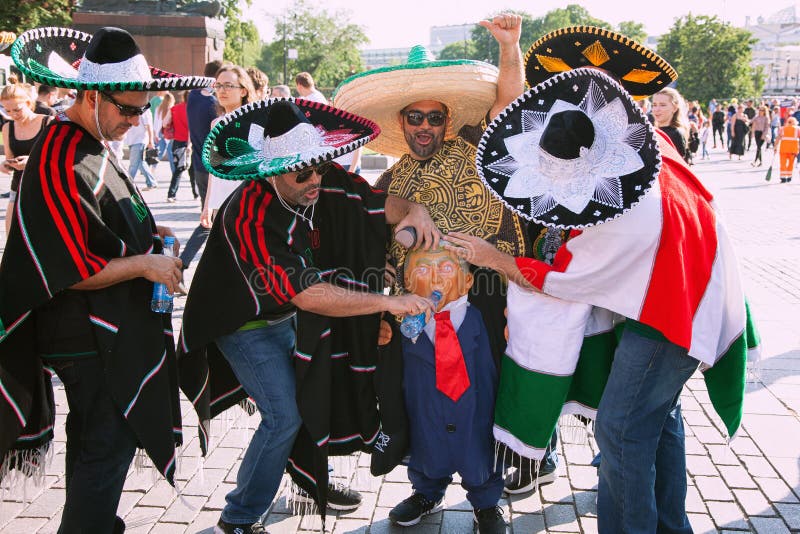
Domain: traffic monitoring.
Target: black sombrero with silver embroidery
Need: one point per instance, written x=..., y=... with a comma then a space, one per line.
x=571, y=152
x=109, y=60
x=281, y=135
x=641, y=71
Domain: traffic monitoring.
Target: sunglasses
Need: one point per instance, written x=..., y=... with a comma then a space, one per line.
x=306, y=173
x=416, y=118
x=125, y=110
x=225, y=86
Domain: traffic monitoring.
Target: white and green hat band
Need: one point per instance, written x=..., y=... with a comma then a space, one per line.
x=280, y=135
x=109, y=60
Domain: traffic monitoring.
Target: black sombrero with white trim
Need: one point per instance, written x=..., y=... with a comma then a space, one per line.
x=571, y=152
x=641, y=71
x=109, y=60
x=281, y=135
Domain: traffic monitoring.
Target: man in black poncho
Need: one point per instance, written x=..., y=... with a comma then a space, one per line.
x=76, y=280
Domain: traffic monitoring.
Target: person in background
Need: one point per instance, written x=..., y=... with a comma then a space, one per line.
x=19, y=136
x=738, y=125
x=234, y=89
x=717, y=126
x=46, y=97
x=162, y=116
x=671, y=118
x=750, y=113
x=774, y=124
x=760, y=128
x=180, y=144
x=788, y=146
x=260, y=83
x=140, y=138
x=281, y=91
x=307, y=90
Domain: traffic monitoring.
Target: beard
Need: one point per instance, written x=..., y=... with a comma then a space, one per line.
x=424, y=150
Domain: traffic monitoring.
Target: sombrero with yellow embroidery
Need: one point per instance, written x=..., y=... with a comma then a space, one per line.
x=6, y=38
x=641, y=71
x=467, y=87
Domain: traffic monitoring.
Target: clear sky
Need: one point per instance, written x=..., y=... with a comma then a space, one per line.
x=401, y=23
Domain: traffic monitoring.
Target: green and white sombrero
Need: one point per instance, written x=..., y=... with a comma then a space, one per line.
x=468, y=88
x=6, y=38
x=280, y=135
x=109, y=60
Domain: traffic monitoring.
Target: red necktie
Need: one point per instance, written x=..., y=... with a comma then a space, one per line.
x=451, y=371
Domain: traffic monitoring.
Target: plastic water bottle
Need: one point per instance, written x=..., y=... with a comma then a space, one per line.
x=413, y=325
x=162, y=298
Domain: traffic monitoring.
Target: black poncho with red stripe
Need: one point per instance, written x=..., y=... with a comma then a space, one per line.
x=265, y=254
x=76, y=211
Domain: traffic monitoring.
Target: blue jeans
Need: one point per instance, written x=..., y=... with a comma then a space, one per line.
x=639, y=431
x=100, y=448
x=164, y=147
x=137, y=162
x=261, y=359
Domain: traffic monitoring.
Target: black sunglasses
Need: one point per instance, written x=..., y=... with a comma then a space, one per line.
x=125, y=110
x=416, y=118
x=306, y=173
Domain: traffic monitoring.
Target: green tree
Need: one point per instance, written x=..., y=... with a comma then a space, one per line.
x=459, y=50
x=712, y=57
x=242, y=44
x=487, y=49
x=327, y=45
x=634, y=30
x=21, y=15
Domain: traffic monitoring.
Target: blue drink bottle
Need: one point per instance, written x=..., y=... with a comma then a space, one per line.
x=162, y=299
x=413, y=325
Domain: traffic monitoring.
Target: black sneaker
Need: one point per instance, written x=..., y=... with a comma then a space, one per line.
x=526, y=477
x=340, y=497
x=411, y=510
x=490, y=521
x=231, y=528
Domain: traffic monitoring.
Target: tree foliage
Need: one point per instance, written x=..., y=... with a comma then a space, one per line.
x=459, y=50
x=712, y=57
x=634, y=30
x=242, y=42
x=487, y=49
x=327, y=45
x=21, y=15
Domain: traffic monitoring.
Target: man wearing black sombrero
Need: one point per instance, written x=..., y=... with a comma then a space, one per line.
x=301, y=242
x=647, y=251
x=76, y=281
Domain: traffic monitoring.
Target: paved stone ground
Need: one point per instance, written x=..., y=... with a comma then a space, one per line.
x=751, y=486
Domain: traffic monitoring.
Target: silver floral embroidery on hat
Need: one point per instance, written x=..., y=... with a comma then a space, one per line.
x=595, y=174
x=304, y=140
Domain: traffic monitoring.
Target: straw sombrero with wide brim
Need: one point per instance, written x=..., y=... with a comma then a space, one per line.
x=280, y=135
x=641, y=71
x=6, y=38
x=572, y=152
x=109, y=60
x=468, y=88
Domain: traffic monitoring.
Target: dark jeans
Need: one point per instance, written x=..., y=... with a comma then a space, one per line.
x=179, y=164
x=759, y=142
x=193, y=245
x=717, y=129
x=100, y=448
x=199, y=174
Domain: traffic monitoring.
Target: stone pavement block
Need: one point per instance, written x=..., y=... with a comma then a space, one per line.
x=222, y=458
x=51, y=527
x=582, y=477
x=527, y=523
x=559, y=491
x=713, y=489
x=217, y=499
x=693, y=446
x=364, y=512
x=46, y=504
x=561, y=518
x=142, y=479
x=24, y=524
x=737, y=477
x=526, y=503
x=392, y=493
x=723, y=455
x=764, y=525
x=754, y=503
x=776, y=490
x=702, y=524
x=162, y=494
x=696, y=418
x=762, y=430
x=233, y=472
x=727, y=515
x=205, y=521
x=127, y=501
x=700, y=465
x=758, y=466
x=586, y=503
x=708, y=435
x=745, y=447
x=588, y=525
x=694, y=503
x=142, y=518
x=184, y=510
x=385, y=526
x=789, y=469
x=350, y=526
x=455, y=498
x=762, y=401
x=205, y=482
x=398, y=474
x=456, y=522
x=9, y=510
x=363, y=481
x=790, y=513
x=168, y=528
x=575, y=454
x=382, y=514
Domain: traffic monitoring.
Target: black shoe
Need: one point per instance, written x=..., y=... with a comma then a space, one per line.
x=7, y=194
x=411, y=510
x=526, y=478
x=231, y=528
x=339, y=498
x=490, y=521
